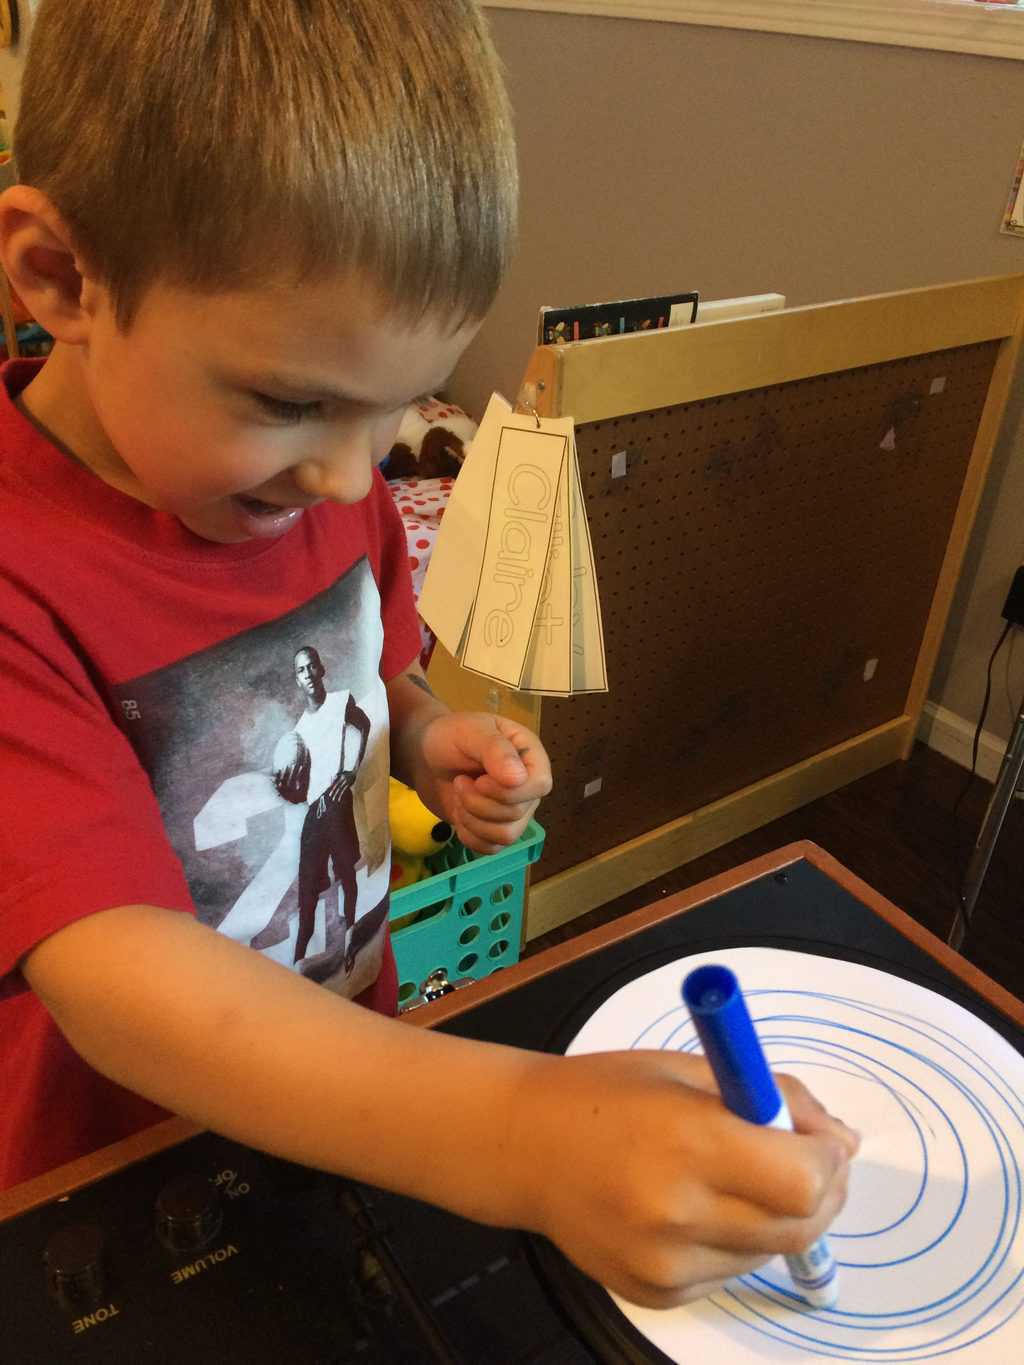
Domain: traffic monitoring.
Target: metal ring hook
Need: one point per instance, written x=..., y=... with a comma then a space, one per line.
x=523, y=403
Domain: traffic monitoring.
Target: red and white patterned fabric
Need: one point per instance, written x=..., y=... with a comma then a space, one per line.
x=421, y=504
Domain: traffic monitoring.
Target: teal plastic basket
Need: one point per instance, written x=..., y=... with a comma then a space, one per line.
x=467, y=917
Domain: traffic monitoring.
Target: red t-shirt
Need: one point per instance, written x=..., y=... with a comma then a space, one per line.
x=160, y=747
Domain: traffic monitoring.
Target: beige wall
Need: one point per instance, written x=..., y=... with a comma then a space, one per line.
x=665, y=156
x=12, y=59
x=660, y=156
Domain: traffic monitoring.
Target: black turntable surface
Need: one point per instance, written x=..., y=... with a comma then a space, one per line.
x=210, y=1252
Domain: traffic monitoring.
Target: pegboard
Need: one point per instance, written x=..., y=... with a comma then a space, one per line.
x=761, y=550
x=776, y=565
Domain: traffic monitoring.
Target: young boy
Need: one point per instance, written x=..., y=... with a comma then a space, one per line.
x=257, y=229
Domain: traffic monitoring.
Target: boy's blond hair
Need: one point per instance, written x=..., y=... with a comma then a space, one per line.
x=218, y=144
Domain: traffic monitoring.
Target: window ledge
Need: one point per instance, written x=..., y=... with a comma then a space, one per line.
x=988, y=30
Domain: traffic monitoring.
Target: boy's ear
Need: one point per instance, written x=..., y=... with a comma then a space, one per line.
x=38, y=254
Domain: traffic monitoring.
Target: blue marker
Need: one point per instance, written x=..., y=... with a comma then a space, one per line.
x=714, y=999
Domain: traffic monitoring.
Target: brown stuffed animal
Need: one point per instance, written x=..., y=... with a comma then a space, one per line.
x=431, y=441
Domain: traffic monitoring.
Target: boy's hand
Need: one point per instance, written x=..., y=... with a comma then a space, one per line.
x=646, y=1181
x=485, y=773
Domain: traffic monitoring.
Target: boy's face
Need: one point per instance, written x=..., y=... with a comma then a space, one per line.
x=237, y=411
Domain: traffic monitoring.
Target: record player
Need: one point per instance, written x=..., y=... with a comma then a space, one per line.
x=178, y=1245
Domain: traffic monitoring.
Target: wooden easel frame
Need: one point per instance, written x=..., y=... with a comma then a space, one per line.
x=604, y=379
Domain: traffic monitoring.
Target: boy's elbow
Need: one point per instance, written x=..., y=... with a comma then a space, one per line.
x=74, y=971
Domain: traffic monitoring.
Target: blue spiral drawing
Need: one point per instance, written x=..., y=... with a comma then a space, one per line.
x=932, y=1265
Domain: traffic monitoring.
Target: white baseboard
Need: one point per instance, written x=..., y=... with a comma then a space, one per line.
x=951, y=735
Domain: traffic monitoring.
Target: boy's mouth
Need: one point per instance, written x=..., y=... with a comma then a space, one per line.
x=259, y=518
x=259, y=506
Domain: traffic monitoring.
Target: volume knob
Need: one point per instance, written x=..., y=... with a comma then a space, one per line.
x=74, y=1265
x=188, y=1213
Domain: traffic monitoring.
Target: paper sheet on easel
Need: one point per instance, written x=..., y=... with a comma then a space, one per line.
x=446, y=599
x=567, y=649
x=529, y=470
x=511, y=590
x=589, y=670
x=548, y=663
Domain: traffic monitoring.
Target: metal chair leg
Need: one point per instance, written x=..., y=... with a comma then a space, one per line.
x=1009, y=779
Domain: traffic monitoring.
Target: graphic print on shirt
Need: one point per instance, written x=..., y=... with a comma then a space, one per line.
x=268, y=754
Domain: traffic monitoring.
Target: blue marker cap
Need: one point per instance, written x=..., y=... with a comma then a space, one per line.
x=713, y=996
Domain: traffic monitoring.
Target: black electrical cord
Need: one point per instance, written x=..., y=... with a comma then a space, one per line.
x=981, y=719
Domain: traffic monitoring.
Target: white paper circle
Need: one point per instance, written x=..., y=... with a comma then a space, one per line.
x=930, y=1246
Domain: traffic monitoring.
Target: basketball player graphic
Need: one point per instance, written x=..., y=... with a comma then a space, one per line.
x=317, y=762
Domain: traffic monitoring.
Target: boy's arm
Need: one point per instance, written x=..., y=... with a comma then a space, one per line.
x=647, y=1182
x=212, y=1030
x=412, y=705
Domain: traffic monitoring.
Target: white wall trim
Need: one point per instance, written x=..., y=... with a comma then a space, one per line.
x=951, y=735
x=988, y=30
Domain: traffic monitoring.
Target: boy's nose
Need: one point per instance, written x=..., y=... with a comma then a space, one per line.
x=341, y=471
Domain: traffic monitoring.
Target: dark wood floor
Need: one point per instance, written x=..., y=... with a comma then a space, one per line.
x=902, y=830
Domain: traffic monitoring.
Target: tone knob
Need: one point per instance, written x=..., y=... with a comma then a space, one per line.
x=188, y=1213
x=74, y=1265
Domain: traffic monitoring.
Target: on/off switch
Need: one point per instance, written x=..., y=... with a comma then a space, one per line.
x=188, y=1213
x=74, y=1265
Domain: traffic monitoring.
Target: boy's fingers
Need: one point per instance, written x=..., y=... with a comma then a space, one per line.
x=524, y=793
x=503, y=762
x=484, y=807
x=470, y=841
x=671, y=1281
x=488, y=838
x=788, y=1175
x=737, y=1226
x=806, y=1170
x=784, y=1175
x=531, y=753
x=647, y=1296
x=512, y=758
x=810, y=1116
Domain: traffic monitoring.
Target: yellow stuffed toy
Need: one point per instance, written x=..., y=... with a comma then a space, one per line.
x=416, y=832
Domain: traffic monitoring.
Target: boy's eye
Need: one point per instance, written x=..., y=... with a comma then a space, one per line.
x=284, y=410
